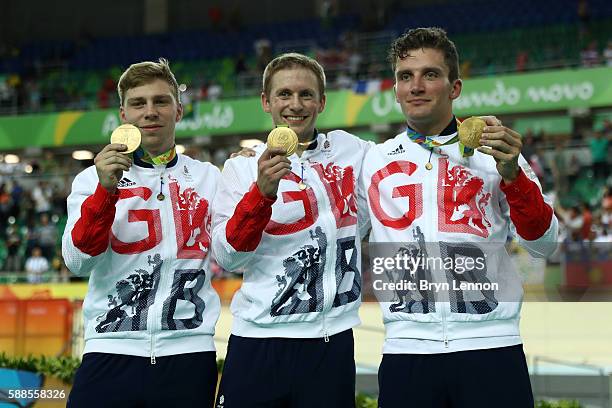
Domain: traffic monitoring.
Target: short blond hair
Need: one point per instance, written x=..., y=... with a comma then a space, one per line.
x=143, y=73
x=292, y=60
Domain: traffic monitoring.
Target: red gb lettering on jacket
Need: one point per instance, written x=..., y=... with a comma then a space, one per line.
x=311, y=212
x=340, y=187
x=461, y=201
x=151, y=217
x=413, y=193
x=192, y=222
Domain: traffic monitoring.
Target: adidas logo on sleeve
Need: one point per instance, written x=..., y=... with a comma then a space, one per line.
x=125, y=182
x=398, y=150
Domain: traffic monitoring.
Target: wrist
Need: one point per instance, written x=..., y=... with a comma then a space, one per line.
x=511, y=175
x=264, y=193
x=111, y=189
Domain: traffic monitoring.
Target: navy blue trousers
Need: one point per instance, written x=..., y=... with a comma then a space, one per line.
x=488, y=378
x=119, y=381
x=288, y=373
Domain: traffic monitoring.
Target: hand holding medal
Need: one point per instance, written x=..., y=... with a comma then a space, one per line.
x=273, y=163
x=113, y=160
x=283, y=137
x=498, y=141
x=128, y=135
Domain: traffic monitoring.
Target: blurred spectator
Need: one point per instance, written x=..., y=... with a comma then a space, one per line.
x=606, y=209
x=106, y=91
x=587, y=221
x=522, y=58
x=327, y=11
x=8, y=96
x=58, y=266
x=529, y=148
x=572, y=220
x=48, y=164
x=42, y=195
x=215, y=16
x=5, y=207
x=607, y=129
x=530, y=153
x=598, y=145
x=559, y=166
x=13, y=244
x=47, y=234
x=332, y=59
x=16, y=194
x=203, y=94
x=29, y=232
x=589, y=56
x=214, y=91
x=36, y=265
x=33, y=91
x=466, y=69
x=573, y=169
x=607, y=54
x=240, y=65
x=263, y=53
x=343, y=81
x=353, y=58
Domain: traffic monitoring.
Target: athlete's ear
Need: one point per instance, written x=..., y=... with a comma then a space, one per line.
x=265, y=103
x=456, y=89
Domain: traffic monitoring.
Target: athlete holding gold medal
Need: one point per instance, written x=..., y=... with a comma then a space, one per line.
x=139, y=226
x=452, y=189
x=288, y=218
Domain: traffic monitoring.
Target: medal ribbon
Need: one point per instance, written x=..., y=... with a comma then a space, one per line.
x=429, y=143
x=163, y=158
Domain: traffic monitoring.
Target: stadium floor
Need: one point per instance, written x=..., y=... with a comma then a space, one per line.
x=574, y=333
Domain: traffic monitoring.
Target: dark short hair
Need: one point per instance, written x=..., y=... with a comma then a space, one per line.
x=429, y=37
x=292, y=60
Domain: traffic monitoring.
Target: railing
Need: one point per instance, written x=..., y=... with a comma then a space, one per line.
x=604, y=393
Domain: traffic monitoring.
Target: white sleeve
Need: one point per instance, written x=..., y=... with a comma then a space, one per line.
x=231, y=189
x=363, y=214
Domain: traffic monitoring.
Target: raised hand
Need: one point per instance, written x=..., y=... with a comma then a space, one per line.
x=504, y=144
x=272, y=166
x=110, y=165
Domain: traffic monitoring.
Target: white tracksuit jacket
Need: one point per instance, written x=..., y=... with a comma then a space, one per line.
x=299, y=253
x=459, y=201
x=148, y=259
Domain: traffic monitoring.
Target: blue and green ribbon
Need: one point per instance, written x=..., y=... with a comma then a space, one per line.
x=429, y=143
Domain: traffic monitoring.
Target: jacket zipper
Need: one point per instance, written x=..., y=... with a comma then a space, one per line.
x=153, y=362
x=325, y=333
x=434, y=197
x=328, y=277
x=156, y=318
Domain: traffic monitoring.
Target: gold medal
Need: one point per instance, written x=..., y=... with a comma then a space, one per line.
x=283, y=137
x=470, y=132
x=128, y=135
x=302, y=185
x=429, y=166
x=161, y=197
